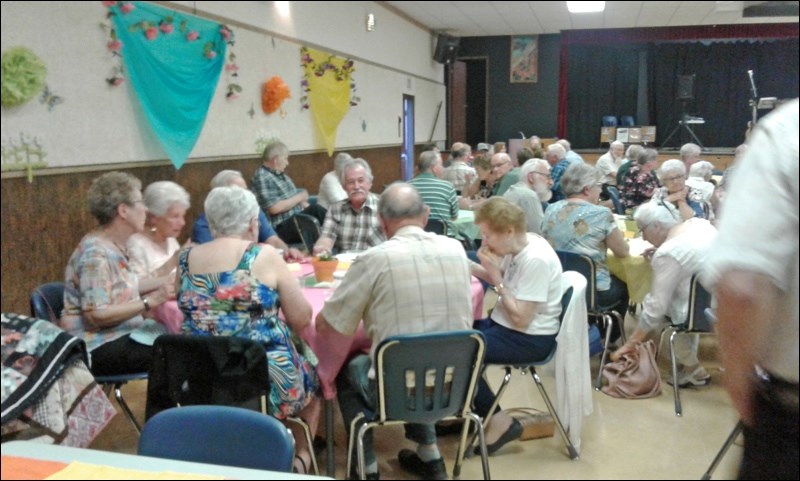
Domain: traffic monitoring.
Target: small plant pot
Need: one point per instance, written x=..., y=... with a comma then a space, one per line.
x=323, y=270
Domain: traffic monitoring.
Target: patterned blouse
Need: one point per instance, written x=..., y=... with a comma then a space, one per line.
x=235, y=303
x=637, y=187
x=581, y=227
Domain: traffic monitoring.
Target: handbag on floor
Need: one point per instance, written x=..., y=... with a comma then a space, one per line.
x=635, y=375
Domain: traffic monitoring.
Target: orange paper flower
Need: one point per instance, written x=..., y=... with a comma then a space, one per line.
x=273, y=93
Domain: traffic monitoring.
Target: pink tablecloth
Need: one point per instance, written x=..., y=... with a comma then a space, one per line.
x=333, y=348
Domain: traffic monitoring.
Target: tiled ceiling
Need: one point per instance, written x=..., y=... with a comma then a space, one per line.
x=475, y=19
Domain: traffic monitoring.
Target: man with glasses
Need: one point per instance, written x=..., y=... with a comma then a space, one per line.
x=682, y=201
x=505, y=173
x=523, y=193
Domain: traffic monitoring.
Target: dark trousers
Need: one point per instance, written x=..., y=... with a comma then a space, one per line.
x=121, y=356
x=287, y=231
x=771, y=445
x=614, y=299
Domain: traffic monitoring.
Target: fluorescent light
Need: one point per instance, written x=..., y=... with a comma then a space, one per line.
x=586, y=7
x=283, y=8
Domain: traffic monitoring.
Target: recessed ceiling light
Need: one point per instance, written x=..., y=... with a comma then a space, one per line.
x=586, y=7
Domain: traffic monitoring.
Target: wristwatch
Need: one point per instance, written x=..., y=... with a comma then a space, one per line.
x=498, y=288
x=146, y=304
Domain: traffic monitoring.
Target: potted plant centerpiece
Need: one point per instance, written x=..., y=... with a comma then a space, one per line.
x=324, y=266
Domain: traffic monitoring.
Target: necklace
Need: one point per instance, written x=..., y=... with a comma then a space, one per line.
x=122, y=250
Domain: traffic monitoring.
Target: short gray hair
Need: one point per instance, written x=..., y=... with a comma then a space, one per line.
x=275, y=149
x=108, y=191
x=531, y=165
x=671, y=166
x=616, y=142
x=564, y=143
x=655, y=212
x=557, y=150
x=633, y=152
x=427, y=160
x=224, y=178
x=646, y=155
x=400, y=201
x=230, y=210
x=689, y=150
x=160, y=196
x=339, y=161
x=352, y=164
x=702, y=169
x=577, y=177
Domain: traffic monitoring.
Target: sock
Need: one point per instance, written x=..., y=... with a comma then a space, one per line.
x=428, y=452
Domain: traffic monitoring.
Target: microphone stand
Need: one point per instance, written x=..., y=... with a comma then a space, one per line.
x=754, y=100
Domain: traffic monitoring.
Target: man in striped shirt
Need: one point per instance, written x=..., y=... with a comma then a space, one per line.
x=439, y=195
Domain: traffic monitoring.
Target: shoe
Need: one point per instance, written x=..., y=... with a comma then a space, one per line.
x=513, y=432
x=354, y=475
x=698, y=377
x=411, y=462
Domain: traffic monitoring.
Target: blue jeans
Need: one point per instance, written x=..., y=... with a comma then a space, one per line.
x=358, y=394
x=507, y=347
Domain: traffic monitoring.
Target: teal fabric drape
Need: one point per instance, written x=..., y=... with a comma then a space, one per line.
x=174, y=76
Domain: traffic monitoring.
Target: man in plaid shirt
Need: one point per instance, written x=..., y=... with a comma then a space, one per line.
x=352, y=225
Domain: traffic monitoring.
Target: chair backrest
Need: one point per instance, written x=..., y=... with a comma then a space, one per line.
x=436, y=226
x=47, y=301
x=423, y=378
x=221, y=435
x=223, y=370
x=627, y=121
x=613, y=193
x=699, y=301
x=308, y=229
x=583, y=264
x=609, y=121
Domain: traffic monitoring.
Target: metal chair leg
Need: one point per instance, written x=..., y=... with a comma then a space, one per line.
x=608, y=325
x=503, y=386
x=124, y=406
x=309, y=441
x=728, y=442
x=573, y=453
x=329, y=446
x=462, y=446
x=675, y=386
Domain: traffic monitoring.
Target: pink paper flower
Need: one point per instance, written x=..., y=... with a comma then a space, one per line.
x=126, y=8
x=231, y=67
x=192, y=35
x=114, y=45
x=231, y=96
x=115, y=81
x=151, y=33
x=108, y=4
x=167, y=28
x=210, y=54
x=226, y=34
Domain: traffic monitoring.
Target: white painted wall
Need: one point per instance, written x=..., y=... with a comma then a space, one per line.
x=98, y=124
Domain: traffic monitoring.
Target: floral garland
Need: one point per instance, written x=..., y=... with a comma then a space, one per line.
x=166, y=26
x=319, y=70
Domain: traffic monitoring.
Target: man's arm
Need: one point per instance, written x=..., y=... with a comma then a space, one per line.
x=286, y=204
x=745, y=309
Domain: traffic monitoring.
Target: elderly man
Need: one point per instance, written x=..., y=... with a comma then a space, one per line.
x=523, y=194
x=414, y=282
x=609, y=163
x=277, y=195
x=505, y=173
x=690, y=153
x=557, y=158
x=439, y=195
x=572, y=156
x=352, y=224
x=330, y=187
x=266, y=234
x=458, y=172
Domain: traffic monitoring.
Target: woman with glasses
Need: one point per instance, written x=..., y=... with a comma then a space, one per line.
x=577, y=224
x=682, y=201
x=681, y=249
x=105, y=302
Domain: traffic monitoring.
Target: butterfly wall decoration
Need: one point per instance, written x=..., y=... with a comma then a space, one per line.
x=50, y=99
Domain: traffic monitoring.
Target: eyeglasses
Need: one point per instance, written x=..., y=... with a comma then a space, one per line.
x=673, y=179
x=541, y=173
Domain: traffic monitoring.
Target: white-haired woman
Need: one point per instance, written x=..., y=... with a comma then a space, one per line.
x=700, y=176
x=154, y=252
x=330, y=187
x=233, y=286
x=681, y=250
x=683, y=201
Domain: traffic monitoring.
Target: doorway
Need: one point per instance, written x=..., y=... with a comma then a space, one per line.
x=477, y=105
x=407, y=150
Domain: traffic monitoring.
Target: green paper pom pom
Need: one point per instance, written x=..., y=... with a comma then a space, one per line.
x=22, y=76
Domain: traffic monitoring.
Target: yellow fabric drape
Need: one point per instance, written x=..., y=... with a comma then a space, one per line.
x=328, y=96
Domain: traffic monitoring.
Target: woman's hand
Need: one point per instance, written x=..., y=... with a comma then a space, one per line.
x=292, y=255
x=675, y=197
x=491, y=262
x=627, y=348
x=648, y=253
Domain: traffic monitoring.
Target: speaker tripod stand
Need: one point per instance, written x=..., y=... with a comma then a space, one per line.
x=685, y=122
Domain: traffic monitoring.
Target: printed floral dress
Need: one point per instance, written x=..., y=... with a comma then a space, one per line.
x=235, y=303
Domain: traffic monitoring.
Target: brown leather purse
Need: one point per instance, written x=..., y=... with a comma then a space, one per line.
x=634, y=375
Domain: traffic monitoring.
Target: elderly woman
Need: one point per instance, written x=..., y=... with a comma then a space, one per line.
x=681, y=250
x=330, y=188
x=684, y=202
x=522, y=328
x=233, y=286
x=639, y=182
x=105, y=302
x=481, y=188
x=154, y=252
x=577, y=224
x=700, y=178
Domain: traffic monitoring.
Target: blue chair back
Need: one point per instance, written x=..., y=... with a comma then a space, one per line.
x=613, y=194
x=423, y=378
x=699, y=302
x=221, y=435
x=627, y=121
x=609, y=121
x=436, y=226
x=583, y=264
x=47, y=301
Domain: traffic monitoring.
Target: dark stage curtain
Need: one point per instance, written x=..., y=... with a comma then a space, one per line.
x=603, y=80
x=722, y=87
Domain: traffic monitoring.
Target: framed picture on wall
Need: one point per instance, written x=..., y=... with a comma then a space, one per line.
x=525, y=59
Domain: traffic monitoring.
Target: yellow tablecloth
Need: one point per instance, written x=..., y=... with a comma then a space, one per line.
x=635, y=270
